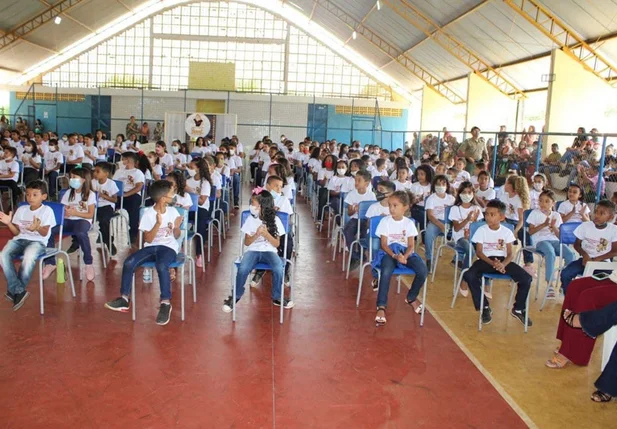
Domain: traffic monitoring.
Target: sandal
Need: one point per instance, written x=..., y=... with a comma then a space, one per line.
x=380, y=320
x=599, y=396
x=417, y=309
x=172, y=274
x=558, y=361
x=569, y=319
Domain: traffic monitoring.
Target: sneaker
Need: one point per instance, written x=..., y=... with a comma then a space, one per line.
x=487, y=315
x=164, y=314
x=48, y=271
x=530, y=270
x=90, y=273
x=114, y=251
x=19, y=299
x=199, y=262
x=520, y=315
x=228, y=305
x=429, y=266
x=287, y=303
x=118, y=304
x=375, y=285
x=287, y=280
x=355, y=263
x=9, y=297
x=550, y=293
x=257, y=278
x=74, y=248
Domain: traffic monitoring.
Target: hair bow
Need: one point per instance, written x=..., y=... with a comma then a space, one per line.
x=257, y=190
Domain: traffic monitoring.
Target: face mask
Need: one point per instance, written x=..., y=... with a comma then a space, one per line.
x=192, y=173
x=275, y=195
x=65, y=139
x=52, y=149
x=538, y=186
x=8, y=159
x=440, y=189
x=75, y=183
x=380, y=196
x=341, y=171
x=466, y=198
x=353, y=173
x=254, y=211
x=28, y=149
x=175, y=149
x=231, y=152
x=328, y=164
x=173, y=201
x=369, y=163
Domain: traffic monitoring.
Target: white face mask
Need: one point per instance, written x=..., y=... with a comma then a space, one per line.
x=353, y=173
x=466, y=198
x=175, y=149
x=254, y=211
x=191, y=172
x=231, y=151
x=28, y=149
x=440, y=189
x=538, y=186
x=52, y=149
x=341, y=171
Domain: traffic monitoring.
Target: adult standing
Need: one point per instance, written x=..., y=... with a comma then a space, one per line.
x=132, y=127
x=145, y=133
x=473, y=149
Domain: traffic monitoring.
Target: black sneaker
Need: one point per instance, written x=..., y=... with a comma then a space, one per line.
x=520, y=315
x=487, y=315
x=118, y=304
x=429, y=266
x=375, y=284
x=257, y=278
x=164, y=314
x=228, y=306
x=287, y=304
x=19, y=299
x=9, y=297
x=74, y=248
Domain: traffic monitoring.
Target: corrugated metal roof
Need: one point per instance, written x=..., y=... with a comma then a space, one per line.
x=394, y=29
x=438, y=61
x=590, y=18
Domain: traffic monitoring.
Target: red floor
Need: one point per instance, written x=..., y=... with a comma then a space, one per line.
x=81, y=366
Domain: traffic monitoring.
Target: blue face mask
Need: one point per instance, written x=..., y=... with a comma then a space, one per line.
x=75, y=183
x=275, y=195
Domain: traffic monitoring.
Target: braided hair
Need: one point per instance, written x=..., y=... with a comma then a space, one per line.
x=268, y=213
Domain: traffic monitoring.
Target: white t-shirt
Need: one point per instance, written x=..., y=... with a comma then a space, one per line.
x=135, y=143
x=250, y=226
x=24, y=217
x=581, y=208
x=534, y=199
x=459, y=213
x=202, y=187
x=376, y=173
x=53, y=160
x=185, y=201
x=402, y=186
x=420, y=192
x=254, y=156
x=474, y=182
x=25, y=158
x=337, y=183
x=157, y=170
x=108, y=188
x=103, y=145
x=396, y=231
x=165, y=235
x=10, y=167
x=438, y=205
x=283, y=204
x=494, y=242
x=77, y=204
x=463, y=176
x=487, y=195
x=348, y=185
x=325, y=174
x=314, y=164
x=235, y=162
x=377, y=210
x=180, y=159
x=217, y=180
x=74, y=152
x=354, y=197
x=596, y=242
x=166, y=161
x=512, y=205
x=536, y=217
x=130, y=178
x=92, y=150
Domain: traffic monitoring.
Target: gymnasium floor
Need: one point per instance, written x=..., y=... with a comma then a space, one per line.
x=82, y=366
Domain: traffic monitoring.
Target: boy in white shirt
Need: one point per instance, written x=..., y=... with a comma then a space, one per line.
x=595, y=241
x=397, y=235
x=235, y=165
x=73, y=153
x=494, y=250
x=380, y=208
x=479, y=168
x=161, y=226
x=381, y=169
x=9, y=173
x=134, y=181
x=107, y=191
x=31, y=225
x=91, y=152
x=484, y=192
x=354, y=198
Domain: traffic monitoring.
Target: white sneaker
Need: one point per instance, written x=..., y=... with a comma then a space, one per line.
x=48, y=270
x=90, y=273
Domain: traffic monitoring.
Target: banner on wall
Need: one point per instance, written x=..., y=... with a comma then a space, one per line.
x=188, y=126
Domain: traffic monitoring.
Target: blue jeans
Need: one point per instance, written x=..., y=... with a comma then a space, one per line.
x=388, y=264
x=462, y=248
x=30, y=250
x=432, y=232
x=573, y=269
x=203, y=216
x=235, y=183
x=417, y=214
x=249, y=260
x=550, y=250
x=51, y=179
x=162, y=256
x=78, y=228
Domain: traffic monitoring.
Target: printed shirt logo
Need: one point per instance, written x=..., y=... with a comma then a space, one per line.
x=499, y=246
x=131, y=180
x=165, y=232
x=400, y=238
x=602, y=245
x=595, y=246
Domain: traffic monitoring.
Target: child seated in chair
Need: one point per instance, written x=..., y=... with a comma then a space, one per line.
x=9, y=173
x=494, y=251
x=31, y=225
x=397, y=234
x=353, y=199
x=381, y=208
x=160, y=225
x=263, y=231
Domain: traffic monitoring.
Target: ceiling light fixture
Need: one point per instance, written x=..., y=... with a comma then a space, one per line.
x=58, y=20
x=378, y=5
x=354, y=35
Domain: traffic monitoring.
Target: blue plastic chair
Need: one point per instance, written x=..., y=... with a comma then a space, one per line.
x=180, y=261
x=398, y=271
x=472, y=230
x=362, y=209
x=447, y=243
x=566, y=238
x=195, y=155
x=111, y=155
x=284, y=217
x=53, y=251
